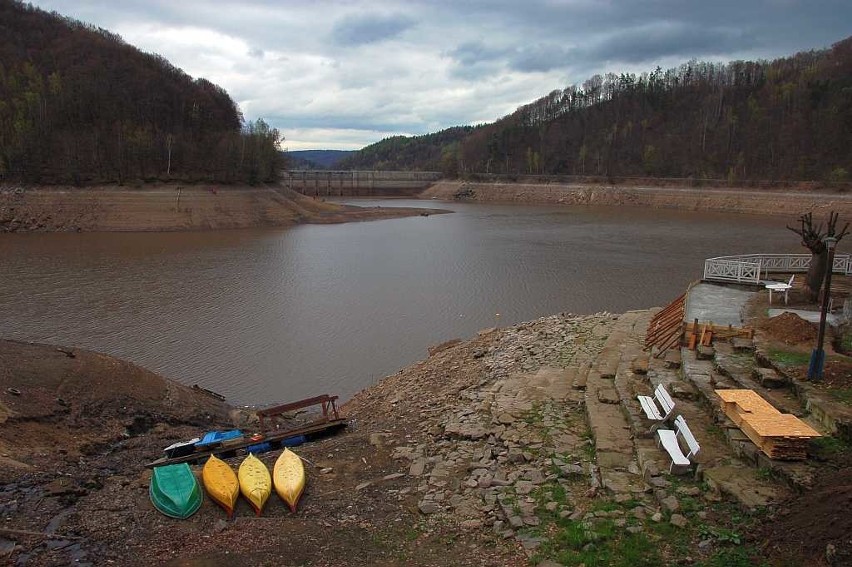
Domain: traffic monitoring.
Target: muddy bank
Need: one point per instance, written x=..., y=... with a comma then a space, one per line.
x=764, y=202
x=170, y=208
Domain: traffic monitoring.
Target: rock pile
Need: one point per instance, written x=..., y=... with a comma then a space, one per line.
x=494, y=420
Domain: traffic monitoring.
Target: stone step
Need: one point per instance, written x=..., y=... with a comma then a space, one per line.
x=609, y=358
x=701, y=373
x=742, y=369
x=581, y=377
x=769, y=378
x=609, y=426
x=672, y=359
x=829, y=415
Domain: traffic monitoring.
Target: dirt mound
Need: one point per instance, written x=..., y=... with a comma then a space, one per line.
x=72, y=402
x=790, y=329
x=816, y=527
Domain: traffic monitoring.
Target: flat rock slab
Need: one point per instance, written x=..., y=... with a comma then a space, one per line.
x=672, y=359
x=744, y=484
x=608, y=396
x=742, y=345
x=517, y=393
x=608, y=362
x=769, y=378
x=640, y=364
x=704, y=352
x=621, y=482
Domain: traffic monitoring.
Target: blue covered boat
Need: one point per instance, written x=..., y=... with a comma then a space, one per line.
x=213, y=438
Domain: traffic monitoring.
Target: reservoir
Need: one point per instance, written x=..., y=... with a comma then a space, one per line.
x=275, y=315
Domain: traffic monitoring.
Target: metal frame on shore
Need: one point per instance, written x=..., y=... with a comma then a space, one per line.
x=326, y=424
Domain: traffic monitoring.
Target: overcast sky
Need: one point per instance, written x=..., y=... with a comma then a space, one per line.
x=344, y=74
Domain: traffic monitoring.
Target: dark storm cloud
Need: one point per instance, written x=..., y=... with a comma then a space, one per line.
x=542, y=57
x=369, y=28
x=665, y=39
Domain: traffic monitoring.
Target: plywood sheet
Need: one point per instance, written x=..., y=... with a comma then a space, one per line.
x=779, y=435
x=748, y=401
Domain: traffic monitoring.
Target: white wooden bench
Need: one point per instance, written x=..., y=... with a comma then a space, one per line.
x=668, y=440
x=663, y=399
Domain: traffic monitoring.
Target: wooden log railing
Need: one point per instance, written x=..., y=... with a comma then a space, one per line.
x=666, y=328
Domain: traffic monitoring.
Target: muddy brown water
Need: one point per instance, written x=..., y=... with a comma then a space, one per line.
x=272, y=315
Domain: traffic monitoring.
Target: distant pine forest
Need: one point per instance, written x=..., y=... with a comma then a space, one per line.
x=80, y=106
x=789, y=119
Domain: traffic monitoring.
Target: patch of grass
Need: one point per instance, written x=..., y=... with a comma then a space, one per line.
x=716, y=431
x=552, y=492
x=721, y=535
x=789, y=358
x=845, y=342
x=765, y=473
x=589, y=446
x=842, y=395
x=827, y=447
x=733, y=557
x=598, y=545
x=689, y=505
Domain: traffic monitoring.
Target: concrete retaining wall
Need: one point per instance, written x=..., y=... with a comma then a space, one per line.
x=358, y=183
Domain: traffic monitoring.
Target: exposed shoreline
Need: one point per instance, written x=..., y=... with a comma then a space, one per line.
x=172, y=207
x=175, y=207
x=733, y=200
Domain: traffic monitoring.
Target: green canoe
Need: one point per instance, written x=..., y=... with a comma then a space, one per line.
x=174, y=491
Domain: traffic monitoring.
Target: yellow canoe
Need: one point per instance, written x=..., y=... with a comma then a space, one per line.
x=255, y=482
x=221, y=483
x=289, y=477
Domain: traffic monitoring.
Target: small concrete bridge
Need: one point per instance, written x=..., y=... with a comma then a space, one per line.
x=323, y=183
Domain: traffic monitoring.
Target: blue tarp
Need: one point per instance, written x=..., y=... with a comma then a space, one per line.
x=214, y=437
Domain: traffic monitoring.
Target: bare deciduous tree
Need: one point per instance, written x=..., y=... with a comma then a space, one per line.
x=813, y=238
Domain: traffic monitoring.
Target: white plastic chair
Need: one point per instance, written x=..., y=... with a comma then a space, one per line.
x=780, y=286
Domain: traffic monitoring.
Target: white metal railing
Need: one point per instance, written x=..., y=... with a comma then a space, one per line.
x=748, y=268
x=737, y=270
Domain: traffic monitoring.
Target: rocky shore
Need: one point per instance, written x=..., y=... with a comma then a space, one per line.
x=518, y=447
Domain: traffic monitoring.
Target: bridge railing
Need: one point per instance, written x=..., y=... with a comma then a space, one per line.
x=748, y=268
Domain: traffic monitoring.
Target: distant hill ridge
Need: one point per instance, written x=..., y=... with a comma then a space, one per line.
x=317, y=159
x=787, y=119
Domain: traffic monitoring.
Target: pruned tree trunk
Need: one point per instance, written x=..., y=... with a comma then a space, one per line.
x=813, y=238
x=816, y=272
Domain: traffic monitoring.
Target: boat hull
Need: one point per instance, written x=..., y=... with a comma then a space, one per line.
x=221, y=483
x=174, y=491
x=289, y=478
x=255, y=482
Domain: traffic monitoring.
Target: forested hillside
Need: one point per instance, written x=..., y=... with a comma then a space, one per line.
x=788, y=119
x=430, y=152
x=79, y=105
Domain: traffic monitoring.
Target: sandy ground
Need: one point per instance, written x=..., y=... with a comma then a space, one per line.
x=165, y=207
x=172, y=208
x=733, y=200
